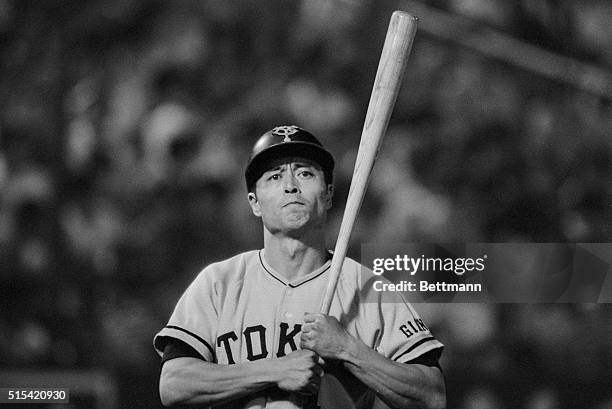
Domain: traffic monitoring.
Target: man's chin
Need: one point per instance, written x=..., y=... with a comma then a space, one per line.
x=295, y=227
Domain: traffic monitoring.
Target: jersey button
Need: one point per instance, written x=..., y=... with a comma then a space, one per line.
x=289, y=291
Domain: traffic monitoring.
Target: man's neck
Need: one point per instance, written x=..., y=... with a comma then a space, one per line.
x=294, y=257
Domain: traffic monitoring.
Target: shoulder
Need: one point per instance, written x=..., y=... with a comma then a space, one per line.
x=230, y=269
x=356, y=271
x=352, y=266
x=356, y=275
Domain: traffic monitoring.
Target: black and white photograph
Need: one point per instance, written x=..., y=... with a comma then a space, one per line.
x=315, y=204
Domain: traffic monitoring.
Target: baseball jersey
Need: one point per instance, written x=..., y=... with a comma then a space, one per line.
x=241, y=309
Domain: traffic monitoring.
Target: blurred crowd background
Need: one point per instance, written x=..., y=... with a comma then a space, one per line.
x=125, y=126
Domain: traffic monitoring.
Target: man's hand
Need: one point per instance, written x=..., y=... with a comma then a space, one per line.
x=324, y=335
x=300, y=372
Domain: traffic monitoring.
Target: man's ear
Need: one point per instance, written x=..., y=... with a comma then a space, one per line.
x=329, y=195
x=254, y=204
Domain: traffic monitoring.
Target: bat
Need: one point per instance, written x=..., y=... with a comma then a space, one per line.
x=391, y=67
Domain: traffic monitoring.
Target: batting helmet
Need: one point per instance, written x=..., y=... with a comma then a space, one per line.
x=286, y=141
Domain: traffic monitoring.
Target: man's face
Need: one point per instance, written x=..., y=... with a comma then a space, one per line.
x=292, y=195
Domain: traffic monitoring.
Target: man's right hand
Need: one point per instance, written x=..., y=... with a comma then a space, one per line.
x=300, y=372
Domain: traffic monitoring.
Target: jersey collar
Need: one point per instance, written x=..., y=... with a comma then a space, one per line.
x=295, y=283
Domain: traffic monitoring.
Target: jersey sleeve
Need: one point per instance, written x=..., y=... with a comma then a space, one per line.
x=402, y=335
x=194, y=319
x=175, y=348
x=406, y=336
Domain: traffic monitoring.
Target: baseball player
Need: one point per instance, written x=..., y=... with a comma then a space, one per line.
x=245, y=333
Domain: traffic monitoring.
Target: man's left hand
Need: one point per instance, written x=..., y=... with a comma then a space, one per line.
x=324, y=335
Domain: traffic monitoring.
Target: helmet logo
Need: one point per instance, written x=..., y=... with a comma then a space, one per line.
x=285, y=131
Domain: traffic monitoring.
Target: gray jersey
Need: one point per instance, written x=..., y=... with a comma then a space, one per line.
x=241, y=310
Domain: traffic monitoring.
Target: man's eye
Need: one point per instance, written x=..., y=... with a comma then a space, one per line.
x=275, y=176
x=306, y=173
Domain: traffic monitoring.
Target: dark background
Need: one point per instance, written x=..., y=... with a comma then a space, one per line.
x=125, y=126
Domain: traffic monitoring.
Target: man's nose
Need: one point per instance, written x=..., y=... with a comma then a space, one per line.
x=290, y=185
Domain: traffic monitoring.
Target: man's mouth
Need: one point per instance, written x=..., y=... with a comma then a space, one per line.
x=293, y=202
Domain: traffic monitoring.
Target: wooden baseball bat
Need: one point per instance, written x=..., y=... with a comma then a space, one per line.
x=391, y=67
